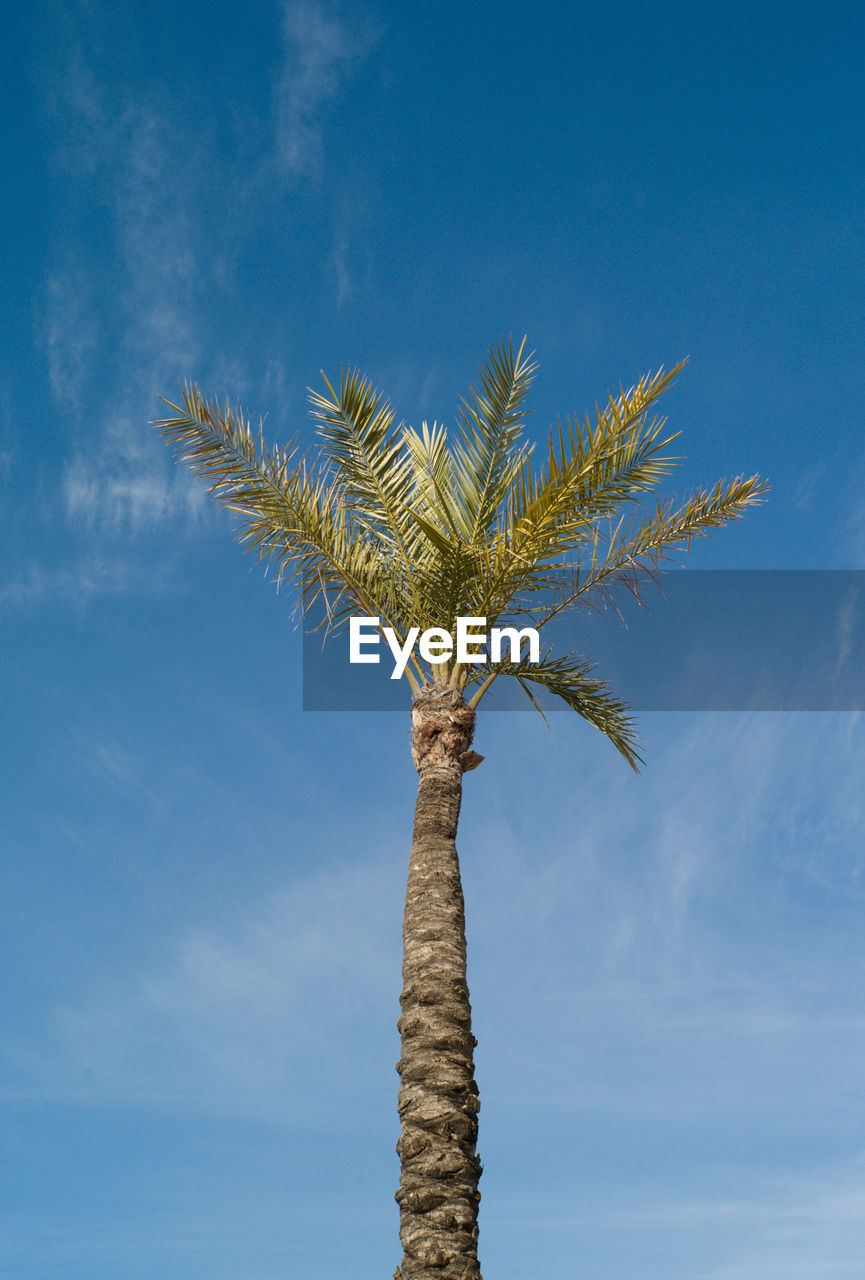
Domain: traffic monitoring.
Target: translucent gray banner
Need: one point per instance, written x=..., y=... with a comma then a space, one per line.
x=708, y=640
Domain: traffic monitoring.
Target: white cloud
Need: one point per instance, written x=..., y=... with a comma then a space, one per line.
x=244, y=1019
x=340, y=260
x=592, y=958
x=801, y=1227
x=319, y=51
x=88, y=579
x=70, y=336
x=322, y=49
x=796, y=1226
x=847, y=622
x=123, y=479
x=90, y=576
x=111, y=492
x=128, y=151
x=678, y=959
x=658, y=910
x=147, y=171
x=155, y=221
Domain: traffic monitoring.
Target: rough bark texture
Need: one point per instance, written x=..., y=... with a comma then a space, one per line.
x=438, y=1098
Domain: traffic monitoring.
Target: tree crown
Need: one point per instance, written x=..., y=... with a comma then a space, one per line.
x=419, y=529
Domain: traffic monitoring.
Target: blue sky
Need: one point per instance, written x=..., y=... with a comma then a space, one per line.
x=201, y=884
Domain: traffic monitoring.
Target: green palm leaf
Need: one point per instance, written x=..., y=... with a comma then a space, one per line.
x=291, y=515
x=490, y=451
x=570, y=679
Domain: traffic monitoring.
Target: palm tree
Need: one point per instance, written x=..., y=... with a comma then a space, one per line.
x=416, y=530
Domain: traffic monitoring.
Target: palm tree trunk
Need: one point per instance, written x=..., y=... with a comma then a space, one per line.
x=438, y=1098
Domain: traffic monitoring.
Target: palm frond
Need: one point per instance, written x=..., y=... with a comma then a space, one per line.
x=290, y=515
x=368, y=455
x=433, y=498
x=489, y=452
x=638, y=549
x=592, y=470
x=591, y=473
x=570, y=678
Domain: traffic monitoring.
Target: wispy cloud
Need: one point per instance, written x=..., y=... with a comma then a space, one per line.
x=237, y=1019
x=595, y=967
x=608, y=931
x=657, y=911
x=88, y=578
x=154, y=212
x=856, y=521
x=114, y=351
x=37, y=585
x=126, y=485
x=128, y=482
x=846, y=627
x=340, y=260
x=70, y=335
x=800, y=1227
x=234, y=1015
x=320, y=50
x=116, y=347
